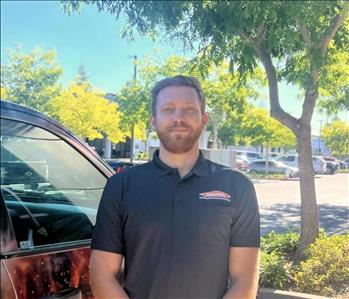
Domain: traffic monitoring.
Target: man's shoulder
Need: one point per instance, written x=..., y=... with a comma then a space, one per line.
x=137, y=169
x=140, y=168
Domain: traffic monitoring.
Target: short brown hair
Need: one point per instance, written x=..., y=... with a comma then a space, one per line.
x=178, y=80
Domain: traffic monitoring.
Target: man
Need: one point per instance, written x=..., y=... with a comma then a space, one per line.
x=183, y=223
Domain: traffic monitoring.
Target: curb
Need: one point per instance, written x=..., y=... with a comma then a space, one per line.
x=265, y=293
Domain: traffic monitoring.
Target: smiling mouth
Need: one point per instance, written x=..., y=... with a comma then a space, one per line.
x=179, y=130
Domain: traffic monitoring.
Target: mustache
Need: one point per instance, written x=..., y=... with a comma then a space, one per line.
x=180, y=126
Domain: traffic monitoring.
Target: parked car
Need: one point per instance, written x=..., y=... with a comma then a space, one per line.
x=331, y=164
x=119, y=166
x=342, y=164
x=274, y=155
x=274, y=167
x=346, y=161
x=319, y=164
x=241, y=163
x=251, y=156
x=51, y=185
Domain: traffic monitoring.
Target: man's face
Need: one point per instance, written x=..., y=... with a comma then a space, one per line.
x=179, y=119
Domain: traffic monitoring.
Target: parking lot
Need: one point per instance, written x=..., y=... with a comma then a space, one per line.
x=279, y=203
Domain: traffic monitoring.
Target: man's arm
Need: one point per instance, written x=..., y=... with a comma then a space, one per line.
x=243, y=273
x=104, y=268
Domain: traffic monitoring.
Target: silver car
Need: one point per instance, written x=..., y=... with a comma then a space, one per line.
x=274, y=167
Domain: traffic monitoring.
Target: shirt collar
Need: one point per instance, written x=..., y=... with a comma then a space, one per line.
x=200, y=168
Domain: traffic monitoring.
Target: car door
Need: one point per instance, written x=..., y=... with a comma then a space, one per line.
x=51, y=193
x=271, y=167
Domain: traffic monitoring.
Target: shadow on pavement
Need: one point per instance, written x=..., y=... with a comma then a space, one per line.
x=283, y=217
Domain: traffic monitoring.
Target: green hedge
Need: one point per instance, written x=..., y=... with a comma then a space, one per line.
x=324, y=271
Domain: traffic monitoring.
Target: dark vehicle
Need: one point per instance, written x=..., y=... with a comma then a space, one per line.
x=331, y=164
x=118, y=166
x=51, y=185
x=342, y=164
x=274, y=167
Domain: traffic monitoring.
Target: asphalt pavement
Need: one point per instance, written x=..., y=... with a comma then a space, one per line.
x=279, y=203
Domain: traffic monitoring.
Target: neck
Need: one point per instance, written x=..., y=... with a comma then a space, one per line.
x=183, y=162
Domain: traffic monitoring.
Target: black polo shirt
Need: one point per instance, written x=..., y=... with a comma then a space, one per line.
x=175, y=233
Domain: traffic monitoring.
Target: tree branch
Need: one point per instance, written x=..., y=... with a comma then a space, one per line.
x=260, y=31
x=248, y=38
x=306, y=35
x=275, y=108
x=259, y=37
x=331, y=31
x=311, y=95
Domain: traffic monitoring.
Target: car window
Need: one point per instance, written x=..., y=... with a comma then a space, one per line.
x=289, y=158
x=51, y=191
x=253, y=155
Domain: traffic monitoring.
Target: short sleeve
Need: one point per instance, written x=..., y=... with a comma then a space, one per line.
x=108, y=231
x=245, y=230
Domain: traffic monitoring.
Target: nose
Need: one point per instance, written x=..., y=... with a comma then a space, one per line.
x=179, y=115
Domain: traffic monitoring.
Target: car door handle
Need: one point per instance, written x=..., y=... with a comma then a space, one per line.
x=72, y=293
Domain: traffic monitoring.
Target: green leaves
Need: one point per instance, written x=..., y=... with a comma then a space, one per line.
x=134, y=101
x=261, y=129
x=31, y=79
x=336, y=137
x=87, y=113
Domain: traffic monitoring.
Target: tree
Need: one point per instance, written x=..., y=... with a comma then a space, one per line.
x=336, y=137
x=258, y=128
x=227, y=98
x=279, y=34
x=82, y=76
x=87, y=113
x=334, y=89
x=133, y=99
x=31, y=79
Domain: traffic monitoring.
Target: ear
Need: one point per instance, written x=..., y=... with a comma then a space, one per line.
x=152, y=122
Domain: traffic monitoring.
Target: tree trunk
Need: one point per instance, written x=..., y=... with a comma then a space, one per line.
x=309, y=209
x=266, y=160
x=107, y=148
x=147, y=133
x=215, y=136
x=132, y=142
x=301, y=128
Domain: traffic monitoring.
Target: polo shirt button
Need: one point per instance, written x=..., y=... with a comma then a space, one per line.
x=178, y=198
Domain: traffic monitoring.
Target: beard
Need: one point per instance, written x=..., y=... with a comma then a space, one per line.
x=179, y=143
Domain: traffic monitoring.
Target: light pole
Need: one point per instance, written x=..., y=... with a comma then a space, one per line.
x=134, y=57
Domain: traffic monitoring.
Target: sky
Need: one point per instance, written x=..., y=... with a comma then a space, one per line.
x=93, y=39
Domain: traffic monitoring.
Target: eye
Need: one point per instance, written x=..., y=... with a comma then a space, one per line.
x=190, y=109
x=167, y=109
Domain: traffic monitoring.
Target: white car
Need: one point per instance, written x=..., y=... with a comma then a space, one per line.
x=319, y=164
x=251, y=156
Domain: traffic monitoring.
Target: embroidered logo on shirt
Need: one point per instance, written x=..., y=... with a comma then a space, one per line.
x=215, y=195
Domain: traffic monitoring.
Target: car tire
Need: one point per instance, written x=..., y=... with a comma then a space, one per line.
x=253, y=172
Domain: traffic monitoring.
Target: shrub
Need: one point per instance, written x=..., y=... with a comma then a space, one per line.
x=325, y=270
x=274, y=270
x=285, y=244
